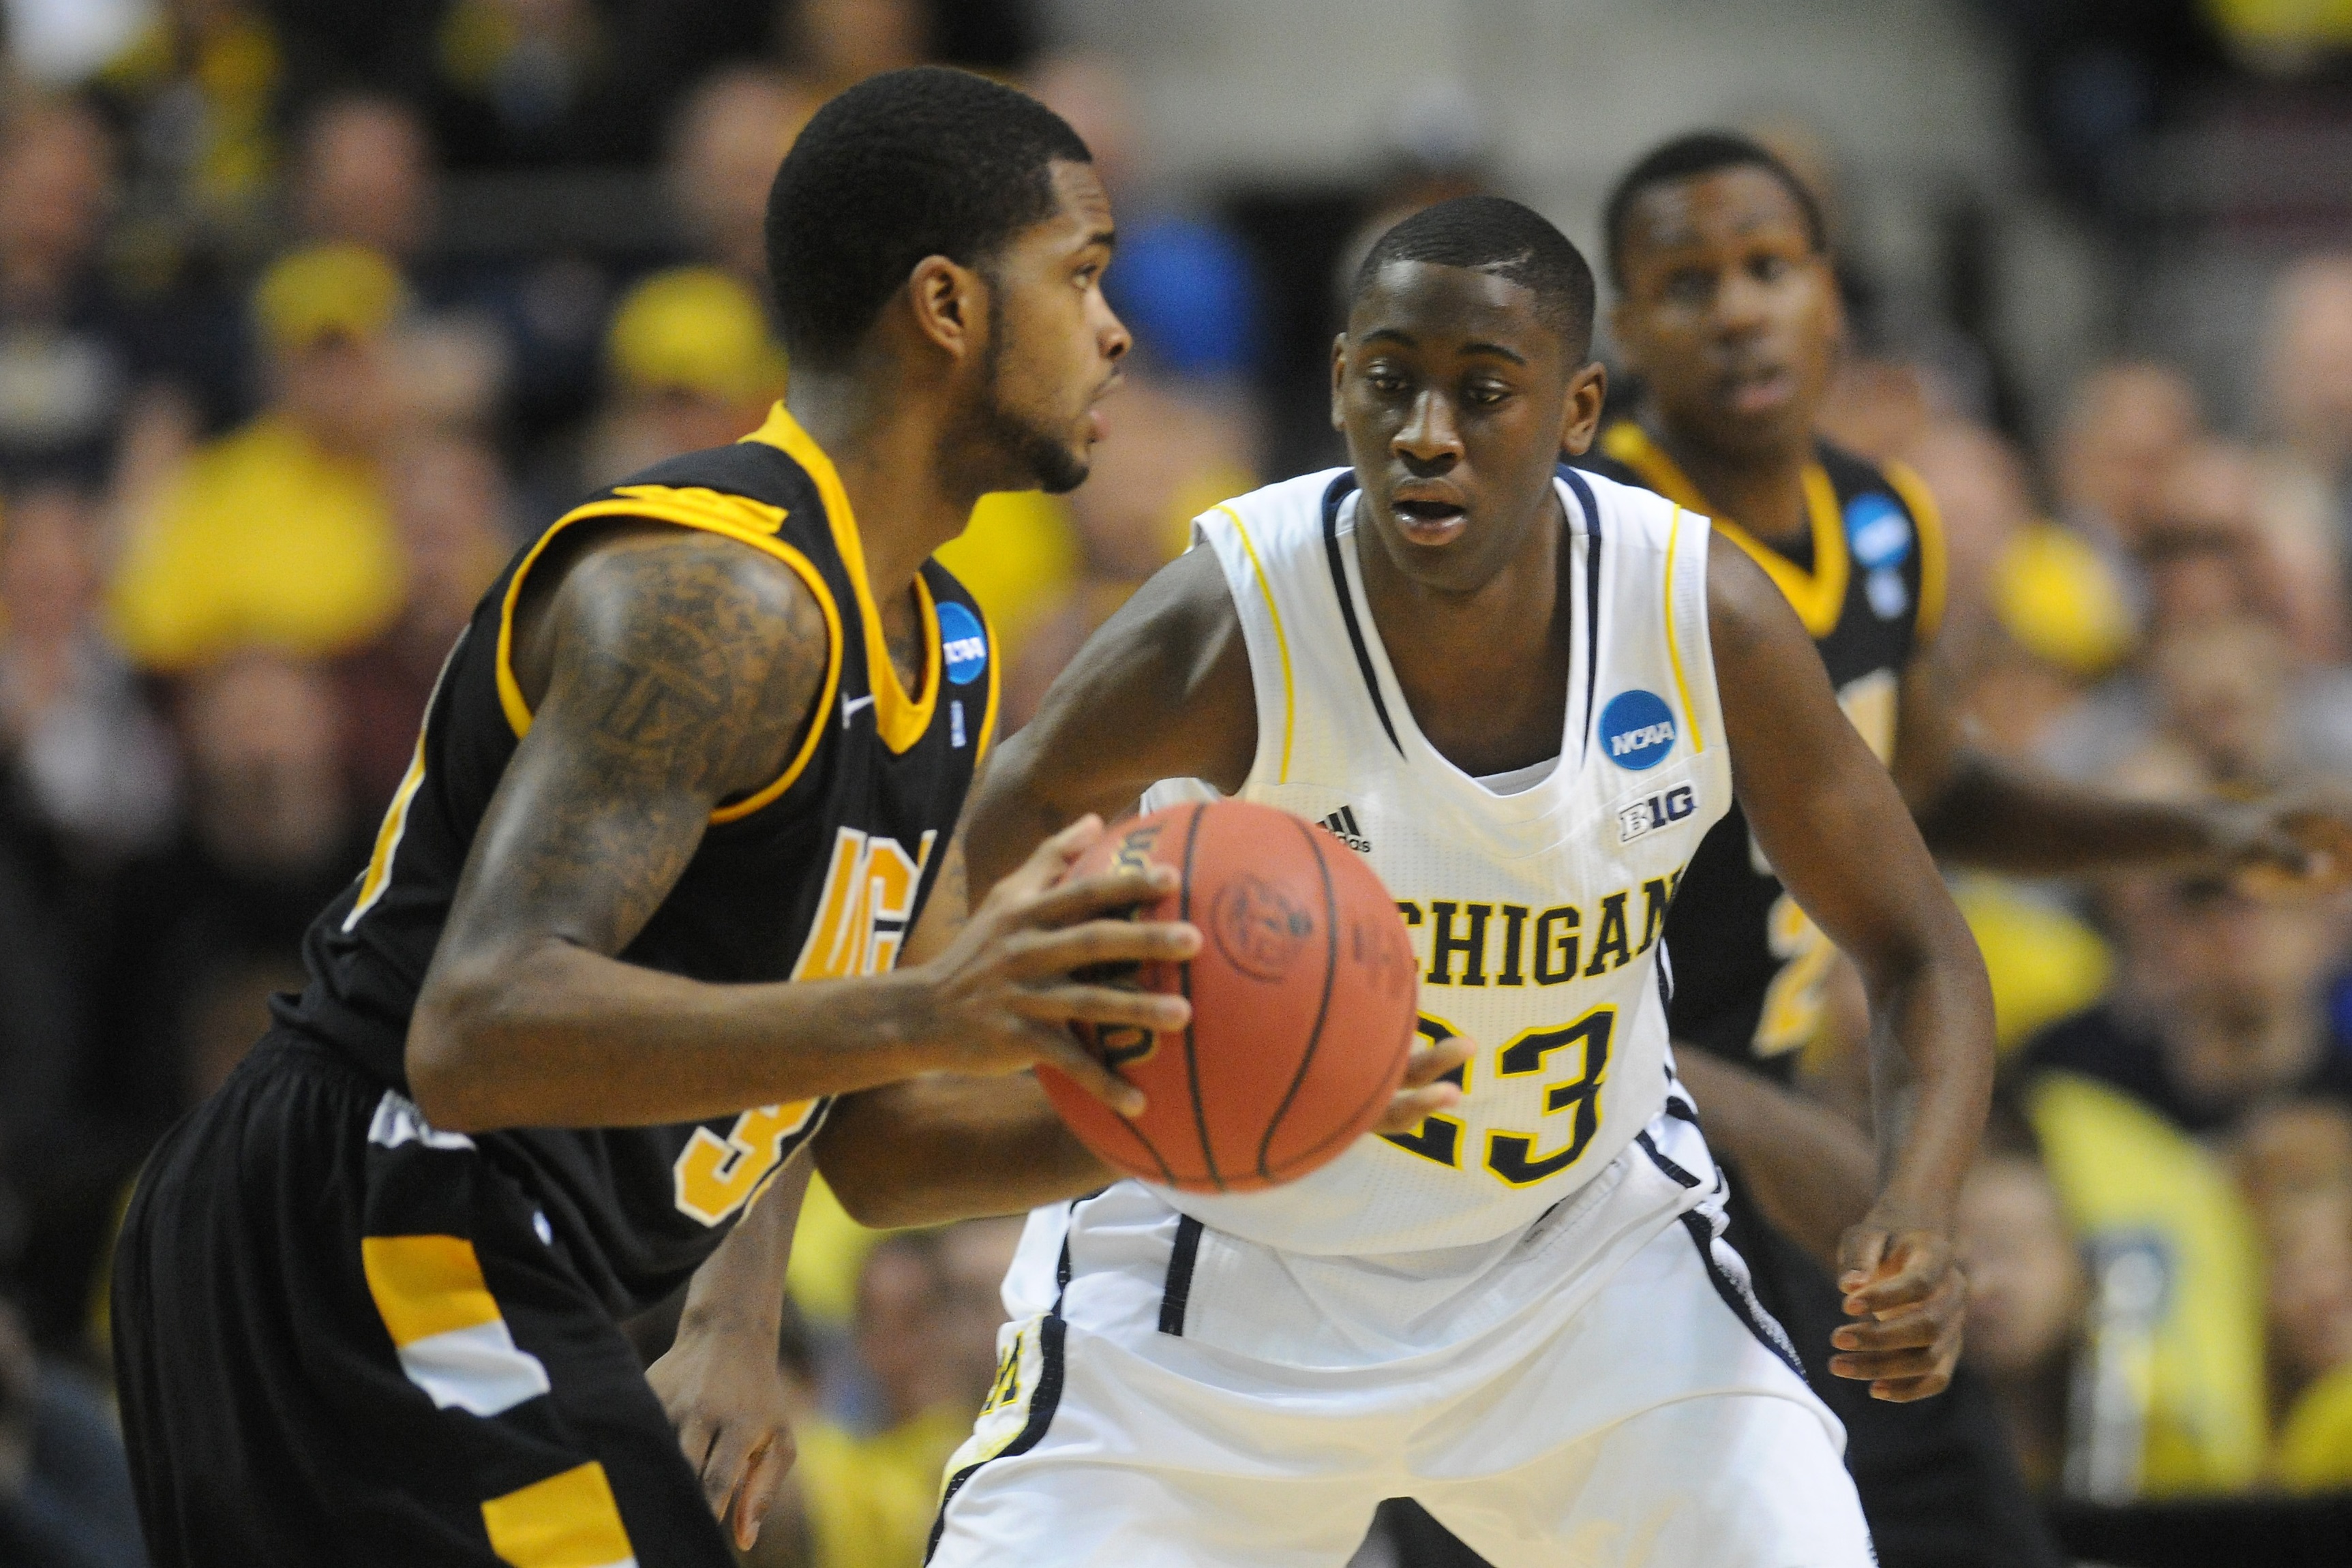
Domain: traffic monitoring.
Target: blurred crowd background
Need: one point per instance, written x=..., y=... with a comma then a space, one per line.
x=312, y=311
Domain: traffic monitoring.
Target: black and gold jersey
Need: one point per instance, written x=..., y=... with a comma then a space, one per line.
x=1747, y=966
x=820, y=874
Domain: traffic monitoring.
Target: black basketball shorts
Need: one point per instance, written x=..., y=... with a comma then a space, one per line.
x=344, y=1336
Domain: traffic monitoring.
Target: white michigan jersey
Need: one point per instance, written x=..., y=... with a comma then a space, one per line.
x=1536, y=915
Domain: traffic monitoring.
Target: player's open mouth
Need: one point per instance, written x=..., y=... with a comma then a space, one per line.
x=1758, y=390
x=1429, y=521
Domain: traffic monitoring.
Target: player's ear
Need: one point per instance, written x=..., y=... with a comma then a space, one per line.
x=1587, y=393
x=948, y=303
x=1338, y=373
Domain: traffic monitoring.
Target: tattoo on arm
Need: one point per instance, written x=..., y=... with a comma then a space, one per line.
x=679, y=670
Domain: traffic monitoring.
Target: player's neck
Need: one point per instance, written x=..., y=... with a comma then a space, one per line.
x=885, y=441
x=1485, y=672
x=1762, y=491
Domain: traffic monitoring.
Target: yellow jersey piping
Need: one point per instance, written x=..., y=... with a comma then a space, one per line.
x=900, y=719
x=652, y=503
x=1673, y=644
x=1281, y=642
x=1818, y=595
x=1927, y=522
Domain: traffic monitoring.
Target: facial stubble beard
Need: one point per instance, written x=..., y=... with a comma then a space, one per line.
x=1042, y=457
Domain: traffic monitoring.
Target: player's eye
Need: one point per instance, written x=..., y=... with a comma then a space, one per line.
x=1484, y=393
x=1384, y=381
x=1769, y=269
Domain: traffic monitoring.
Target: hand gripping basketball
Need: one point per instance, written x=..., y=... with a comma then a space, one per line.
x=1303, y=993
x=1026, y=966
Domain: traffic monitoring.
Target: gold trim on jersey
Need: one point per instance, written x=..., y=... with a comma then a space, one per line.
x=735, y=517
x=1673, y=644
x=900, y=719
x=1281, y=642
x=1928, y=523
x=1818, y=595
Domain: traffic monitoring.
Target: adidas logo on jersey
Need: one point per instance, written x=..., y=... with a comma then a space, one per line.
x=1342, y=826
x=1657, y=811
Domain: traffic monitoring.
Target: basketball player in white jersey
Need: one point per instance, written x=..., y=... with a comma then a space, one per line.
x=1524, y=699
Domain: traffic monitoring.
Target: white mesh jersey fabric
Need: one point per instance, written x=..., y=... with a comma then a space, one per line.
x=1534, y=915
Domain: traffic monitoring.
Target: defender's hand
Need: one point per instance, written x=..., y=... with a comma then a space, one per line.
x=1900, y=1281
x=725, y=1394
x=2295, y=845
x=1424, y=1090
x=1003, y=996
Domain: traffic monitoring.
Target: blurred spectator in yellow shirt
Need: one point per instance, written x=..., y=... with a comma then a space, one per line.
x=279, y=533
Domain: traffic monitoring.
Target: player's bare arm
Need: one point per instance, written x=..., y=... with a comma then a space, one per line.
x=666, y=673
x=1833, y=825
x=720, y=1382
x=1161, y=692
x=1974, y=808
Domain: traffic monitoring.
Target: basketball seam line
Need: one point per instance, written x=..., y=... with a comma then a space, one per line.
x=1184, y=978
x=1403, y=1050
x=1322, y=1007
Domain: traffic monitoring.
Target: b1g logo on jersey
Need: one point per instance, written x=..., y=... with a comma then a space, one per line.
x=1658, y=811
x=964, y=644
x=1637, y=729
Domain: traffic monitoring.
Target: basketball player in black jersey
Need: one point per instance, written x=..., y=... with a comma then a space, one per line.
x=1729, y=318
x=686, y=781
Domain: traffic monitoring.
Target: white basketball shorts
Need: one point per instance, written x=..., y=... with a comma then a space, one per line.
x=1599, y=1391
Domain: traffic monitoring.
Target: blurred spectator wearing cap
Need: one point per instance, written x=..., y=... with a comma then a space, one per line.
x=688, y=363
x=279, y=533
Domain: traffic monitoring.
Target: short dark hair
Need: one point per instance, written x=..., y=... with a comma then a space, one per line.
x=1686, y=157
x=1492, y=234
x=925, y=162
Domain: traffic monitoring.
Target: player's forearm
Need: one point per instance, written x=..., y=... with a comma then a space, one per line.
x=1811, y=1171
x=552, y=1035
x=946, y=1148
x=739, y=1291
x=1931, y=1064
x=2003, y=818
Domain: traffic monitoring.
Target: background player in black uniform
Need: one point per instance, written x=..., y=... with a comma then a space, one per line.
x=1729, y=318
x=685, y=784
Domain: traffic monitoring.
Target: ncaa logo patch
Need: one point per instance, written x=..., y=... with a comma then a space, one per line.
x=1877, y=532
x=1637, y=729
x=964, y=645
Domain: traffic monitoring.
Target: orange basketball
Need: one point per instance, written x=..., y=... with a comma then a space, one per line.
x=1302, y=996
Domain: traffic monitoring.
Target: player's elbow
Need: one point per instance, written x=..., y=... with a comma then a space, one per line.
x=457, y=1039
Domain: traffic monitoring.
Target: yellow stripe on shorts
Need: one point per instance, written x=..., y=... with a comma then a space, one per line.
x=444, y=1324
x=568, y=1520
